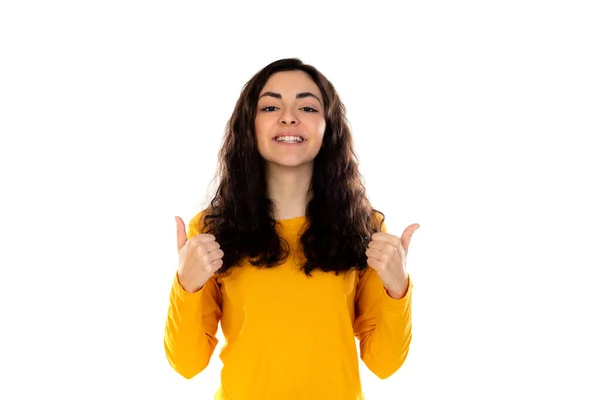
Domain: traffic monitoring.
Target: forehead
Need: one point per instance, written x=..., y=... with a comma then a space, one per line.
x=290, y=83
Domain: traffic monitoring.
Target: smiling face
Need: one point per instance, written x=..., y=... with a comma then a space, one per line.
x=290, y=119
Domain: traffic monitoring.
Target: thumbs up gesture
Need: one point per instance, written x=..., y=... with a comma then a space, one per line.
x=386, y=254
x=199, y=258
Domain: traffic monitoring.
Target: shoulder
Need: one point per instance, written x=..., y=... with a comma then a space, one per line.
x=196, y=224
x=378, y=219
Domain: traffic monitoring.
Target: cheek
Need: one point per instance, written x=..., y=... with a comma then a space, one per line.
x=320, y=129
x=259, y=129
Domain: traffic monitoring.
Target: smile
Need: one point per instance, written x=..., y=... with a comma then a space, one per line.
x=289, y=139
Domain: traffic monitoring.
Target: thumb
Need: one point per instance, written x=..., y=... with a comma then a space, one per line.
x=181, y=235
x=407, y=235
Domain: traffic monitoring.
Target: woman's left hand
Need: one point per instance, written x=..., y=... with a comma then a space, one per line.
x=386, y=254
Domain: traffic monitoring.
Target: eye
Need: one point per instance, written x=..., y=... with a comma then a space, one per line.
x=308, y=109
x=268, y=109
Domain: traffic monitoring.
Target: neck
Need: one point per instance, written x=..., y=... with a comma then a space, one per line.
x=288, y=189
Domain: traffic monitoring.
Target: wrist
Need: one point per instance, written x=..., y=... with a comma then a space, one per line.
x=398, y=292
x=186, y=286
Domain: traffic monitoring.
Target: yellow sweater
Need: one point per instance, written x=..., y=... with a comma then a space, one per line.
x=288, y=336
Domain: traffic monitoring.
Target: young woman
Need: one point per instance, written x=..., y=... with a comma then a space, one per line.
x=289, y=256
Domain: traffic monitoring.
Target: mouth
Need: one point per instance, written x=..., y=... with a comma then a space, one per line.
x=289, y=137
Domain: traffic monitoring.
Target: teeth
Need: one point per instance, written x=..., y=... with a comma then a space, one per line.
x=289, y=139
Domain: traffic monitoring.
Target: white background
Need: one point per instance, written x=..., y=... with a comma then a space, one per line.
x=475, y=119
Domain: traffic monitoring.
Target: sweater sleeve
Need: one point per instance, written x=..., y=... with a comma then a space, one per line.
x=383, y=325
x=192, y=322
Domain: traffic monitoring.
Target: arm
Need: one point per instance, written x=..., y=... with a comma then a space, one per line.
x=383, y=324
x=192, y=323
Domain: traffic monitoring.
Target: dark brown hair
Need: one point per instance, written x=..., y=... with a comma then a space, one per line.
x=339, y=215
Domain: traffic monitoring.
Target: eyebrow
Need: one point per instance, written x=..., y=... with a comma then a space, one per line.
x=301, y=95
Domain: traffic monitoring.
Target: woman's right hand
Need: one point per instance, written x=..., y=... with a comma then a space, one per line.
x=199, y=258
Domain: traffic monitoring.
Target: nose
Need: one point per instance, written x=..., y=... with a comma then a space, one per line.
x=288, y=117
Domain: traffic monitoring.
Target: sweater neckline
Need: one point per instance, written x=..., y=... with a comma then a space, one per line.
x=292, y=222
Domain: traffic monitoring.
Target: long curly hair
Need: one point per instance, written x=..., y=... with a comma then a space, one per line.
x=339, y=216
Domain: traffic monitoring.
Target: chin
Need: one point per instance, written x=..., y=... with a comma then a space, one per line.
x=289, y=164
